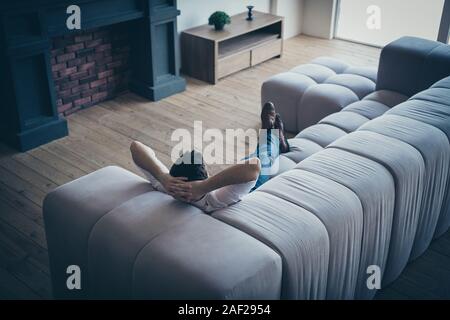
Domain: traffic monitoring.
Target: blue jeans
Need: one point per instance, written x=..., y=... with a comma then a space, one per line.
x=267, y=152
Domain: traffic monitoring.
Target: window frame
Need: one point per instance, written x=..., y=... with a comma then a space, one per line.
x=444, y=28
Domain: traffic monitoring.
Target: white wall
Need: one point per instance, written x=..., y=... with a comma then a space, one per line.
x=197, y=12
x=292, y=11
x=318, y=18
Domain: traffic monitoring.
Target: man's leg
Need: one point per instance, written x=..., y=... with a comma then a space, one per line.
x=268, y=152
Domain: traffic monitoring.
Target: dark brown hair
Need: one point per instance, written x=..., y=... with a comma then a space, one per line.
x=190, y=166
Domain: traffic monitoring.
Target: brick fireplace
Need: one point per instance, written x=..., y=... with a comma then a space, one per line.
x=48, y=71
x=90, y=67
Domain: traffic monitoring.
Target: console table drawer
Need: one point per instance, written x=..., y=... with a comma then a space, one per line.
x=233, y=63
x=266, y=51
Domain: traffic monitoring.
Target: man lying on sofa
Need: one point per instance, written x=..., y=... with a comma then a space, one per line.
x=188, y=180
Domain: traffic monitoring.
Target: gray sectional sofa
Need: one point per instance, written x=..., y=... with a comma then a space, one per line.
x=369, y=185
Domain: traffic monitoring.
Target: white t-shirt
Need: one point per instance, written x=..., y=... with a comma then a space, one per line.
x=212, y=201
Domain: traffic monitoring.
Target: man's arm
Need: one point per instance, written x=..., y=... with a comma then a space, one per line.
x=146, y=159
x=237, y=174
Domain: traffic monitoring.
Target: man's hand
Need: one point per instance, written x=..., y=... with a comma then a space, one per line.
x=176, y=186
x=180, y=189
x=197, y=190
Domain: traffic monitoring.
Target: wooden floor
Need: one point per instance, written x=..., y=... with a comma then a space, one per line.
x=101, y=135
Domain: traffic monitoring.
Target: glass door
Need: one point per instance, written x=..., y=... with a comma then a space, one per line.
x=378, y=22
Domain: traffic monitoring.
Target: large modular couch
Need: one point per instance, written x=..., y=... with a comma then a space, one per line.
x=369, y=185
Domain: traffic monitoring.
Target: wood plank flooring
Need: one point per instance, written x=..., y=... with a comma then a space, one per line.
x=101, y=135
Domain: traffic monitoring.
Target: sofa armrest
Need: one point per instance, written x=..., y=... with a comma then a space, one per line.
x=405, y=65
x=70, y=212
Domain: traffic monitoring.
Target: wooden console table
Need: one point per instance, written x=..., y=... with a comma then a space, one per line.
x=210, y=55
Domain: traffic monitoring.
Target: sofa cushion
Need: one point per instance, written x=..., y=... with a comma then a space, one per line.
x=294, y=232
x=316, y=72
x=345, y=120
x=434, y=95
x=358, y=173
x=321, y=100
x=433, y=145
x=366, y=72
x=444, y=83
x=301, y=149
x=206, y=259
x=155, y=247
x=309, y=92
x=407, y=167
x=284, y=164
x=336, y=65
x=387, y=97
x=367, y=108
x=322, y=134
x=71, y=211
x=336, y=125
x=361, y=86
x=111, y=222
x=340, y=211
x=437, y=115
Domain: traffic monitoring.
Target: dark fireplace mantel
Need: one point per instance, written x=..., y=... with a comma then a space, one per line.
x=28, y=114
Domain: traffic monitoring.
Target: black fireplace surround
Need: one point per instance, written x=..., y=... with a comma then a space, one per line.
x=28, y=114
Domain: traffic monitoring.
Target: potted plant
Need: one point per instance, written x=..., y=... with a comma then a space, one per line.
x=219, y=19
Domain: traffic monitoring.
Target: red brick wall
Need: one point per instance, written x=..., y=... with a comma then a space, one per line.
x=89, y=67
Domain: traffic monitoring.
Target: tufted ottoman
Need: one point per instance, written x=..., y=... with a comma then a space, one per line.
x=310, y=92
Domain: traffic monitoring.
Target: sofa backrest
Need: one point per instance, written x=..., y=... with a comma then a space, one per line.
x=410, y=65
x=381, y=192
